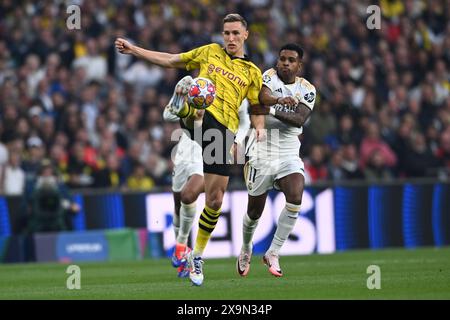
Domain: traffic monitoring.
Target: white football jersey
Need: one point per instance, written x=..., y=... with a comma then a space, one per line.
x=282, y=139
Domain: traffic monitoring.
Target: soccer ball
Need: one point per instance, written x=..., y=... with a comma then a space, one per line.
x=201, y=93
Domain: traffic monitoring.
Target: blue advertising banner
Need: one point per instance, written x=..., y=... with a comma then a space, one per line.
x=334, y=218
x=85, y=246
x=331, y=219
x=5, y=225
x=313, y=232
x=385, y=216
x=441, y=214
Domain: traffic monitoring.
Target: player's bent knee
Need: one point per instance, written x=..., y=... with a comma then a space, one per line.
x=214, y=199
x=188, y=196
x=214, y=203
x=294, y=199
x=254, y=214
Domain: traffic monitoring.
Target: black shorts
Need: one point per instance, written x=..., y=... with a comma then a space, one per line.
x=217, y=141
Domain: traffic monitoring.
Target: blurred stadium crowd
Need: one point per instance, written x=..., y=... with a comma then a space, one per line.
x=383, y=108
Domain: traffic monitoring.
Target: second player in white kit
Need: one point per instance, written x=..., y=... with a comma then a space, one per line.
x=187, y=184
x=277, y=156
x=287, y=101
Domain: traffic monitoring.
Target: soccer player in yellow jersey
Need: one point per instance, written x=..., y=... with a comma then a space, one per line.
x=235, y=78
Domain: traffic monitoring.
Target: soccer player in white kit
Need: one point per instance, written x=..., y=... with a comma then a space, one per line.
x=187, y=184
x=287, y=101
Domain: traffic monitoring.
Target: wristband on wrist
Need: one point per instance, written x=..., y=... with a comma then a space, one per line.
x=272, y=111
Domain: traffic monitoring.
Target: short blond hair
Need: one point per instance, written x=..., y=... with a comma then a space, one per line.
x=235, y=17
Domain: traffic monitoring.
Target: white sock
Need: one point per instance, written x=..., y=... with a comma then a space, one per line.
x=286, y=223
x=176, y=224
x=187, y=215
x=248, y=229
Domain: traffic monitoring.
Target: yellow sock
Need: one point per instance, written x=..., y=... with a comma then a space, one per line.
x=190, y=118
x=206, y=224
x=187, y=111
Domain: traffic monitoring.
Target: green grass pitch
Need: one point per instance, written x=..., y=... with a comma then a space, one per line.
x=405, y=274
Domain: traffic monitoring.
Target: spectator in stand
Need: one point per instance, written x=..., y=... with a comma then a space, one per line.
x=372, y=142
x=350, y=162
x=376, y=167
x=36, y=154
x=400, y=144
x=347, y=132
x=12, y=176
x=139, y=180
x=110, y=176
x=79, y=172
x=321, y=124
x=93, y=63
x=315, y=165
x=334, y=169
x=131, y=158
x=419, y=160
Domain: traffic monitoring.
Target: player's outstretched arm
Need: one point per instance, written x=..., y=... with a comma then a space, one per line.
x=163, y=59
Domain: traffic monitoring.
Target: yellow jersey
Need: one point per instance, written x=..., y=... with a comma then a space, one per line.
x=235, y=79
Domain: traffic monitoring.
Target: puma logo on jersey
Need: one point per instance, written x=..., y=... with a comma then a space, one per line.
x=245, y=70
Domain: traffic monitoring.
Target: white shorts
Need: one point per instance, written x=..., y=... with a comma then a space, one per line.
x=182, y=172
x=261, y=178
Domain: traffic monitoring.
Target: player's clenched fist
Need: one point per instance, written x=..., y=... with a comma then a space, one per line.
x=123, y=46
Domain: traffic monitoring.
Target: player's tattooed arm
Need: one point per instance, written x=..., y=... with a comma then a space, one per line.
x=296, y=118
